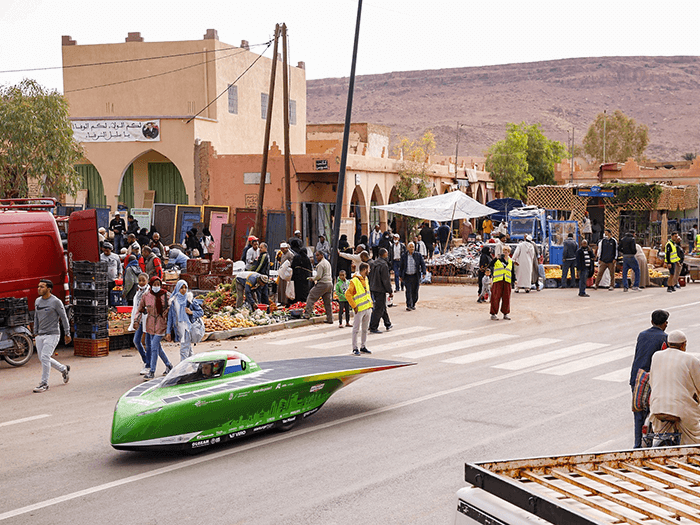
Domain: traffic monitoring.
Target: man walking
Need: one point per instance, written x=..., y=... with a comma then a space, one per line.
x=379, y=285
x=374, y=239
x=673, y=262
x=358, y=295
x=411, y=271
x=628, y=249
x=584, y=265
x=48, y=311
x=114, y=265
x=397, y=250
x=649, y=342
x=569, y=260
x=323, y=287
x=428, y=237
x=607, y=254
x=502, y=272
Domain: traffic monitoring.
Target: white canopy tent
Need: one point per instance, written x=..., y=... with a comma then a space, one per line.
x=445, y=207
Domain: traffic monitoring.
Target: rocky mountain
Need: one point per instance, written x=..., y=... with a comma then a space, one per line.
x=661, y=92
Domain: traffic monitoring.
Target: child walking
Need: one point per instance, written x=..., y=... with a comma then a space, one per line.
x=184, y=310
x=341, y=286
x=485, y=287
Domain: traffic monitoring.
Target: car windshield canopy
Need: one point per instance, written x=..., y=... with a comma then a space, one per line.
x=191, y=372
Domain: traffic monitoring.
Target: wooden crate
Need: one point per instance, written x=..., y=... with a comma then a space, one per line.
x=91, y=347
x=209, y=282
x=197, y=266
x=222, y=267
x=116, y=327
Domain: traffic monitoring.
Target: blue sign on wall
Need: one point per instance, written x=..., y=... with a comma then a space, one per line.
x=595, y=191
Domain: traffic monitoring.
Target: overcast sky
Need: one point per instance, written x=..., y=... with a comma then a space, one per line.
x=395, y=35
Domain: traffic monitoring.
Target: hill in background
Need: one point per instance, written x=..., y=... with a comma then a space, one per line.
x=661, y=92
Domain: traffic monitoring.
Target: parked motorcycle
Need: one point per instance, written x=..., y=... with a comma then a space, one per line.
x=16, y=345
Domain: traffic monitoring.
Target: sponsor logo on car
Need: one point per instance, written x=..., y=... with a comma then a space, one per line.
x=288, y=420
x=262, y=390
x=318, y=387
x=264, y=427
x=238, y=434
x=198, y=444
x=310, y=412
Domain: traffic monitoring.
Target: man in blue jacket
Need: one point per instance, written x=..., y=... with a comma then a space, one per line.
x=649, y=342
x=412, y=270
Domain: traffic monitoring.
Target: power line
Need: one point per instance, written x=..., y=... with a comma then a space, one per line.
x=225, y=90
x=127, y=60
x=160, y=74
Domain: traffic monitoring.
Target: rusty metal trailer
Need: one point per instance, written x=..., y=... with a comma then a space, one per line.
x=640, y=487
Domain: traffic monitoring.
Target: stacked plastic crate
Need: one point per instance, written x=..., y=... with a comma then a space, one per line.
x=13, y=312
x=90, y=309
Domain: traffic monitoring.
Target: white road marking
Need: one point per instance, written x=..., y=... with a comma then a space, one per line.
x=538, y=359
x=339, y=333
x=24, y=420
x=617, y=376
x=500, y=351
x=347, y=335
x=589, y=362
x=460, y=345
x=290, y=435
x=410, y=342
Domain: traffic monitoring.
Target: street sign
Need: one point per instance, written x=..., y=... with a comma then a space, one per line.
x=595, y=191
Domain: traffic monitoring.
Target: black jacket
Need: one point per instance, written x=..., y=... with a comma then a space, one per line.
x=418, y=259
x=484, y=258
x=608, y=250
x=428, y=236
x=379, y=279
x=570, y=248
x=581, y=260
x=628, y=246
x=392, y=250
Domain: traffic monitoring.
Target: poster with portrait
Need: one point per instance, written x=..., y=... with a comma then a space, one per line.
x=116, y=130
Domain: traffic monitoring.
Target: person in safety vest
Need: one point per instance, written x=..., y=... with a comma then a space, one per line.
x=502, y=277
x=358, y=295
x=672, y=261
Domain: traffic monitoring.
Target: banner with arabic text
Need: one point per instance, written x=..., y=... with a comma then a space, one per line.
x=116, y=130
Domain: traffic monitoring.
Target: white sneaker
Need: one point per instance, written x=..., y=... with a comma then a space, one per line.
x=144, y=371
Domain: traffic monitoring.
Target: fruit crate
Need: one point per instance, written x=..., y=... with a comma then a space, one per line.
x=222, y=267
x=102, y=334
x=197, y=266
x=116, y=327
x=121, y=342
x=91, y=347
x=89, y=327
x=89, y=302
x=13, y=303
x=90, y=285
x=191, y=280
x=101, y=309
x=18, y=319
x=97, y=295
x=89, y=267
x=227, y=279
x=209, y=282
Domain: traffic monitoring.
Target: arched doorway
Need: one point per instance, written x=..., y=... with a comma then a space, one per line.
x=92, y=182
x=375, y=215
x=155, y=172
x=480, y=195
x=358, y=209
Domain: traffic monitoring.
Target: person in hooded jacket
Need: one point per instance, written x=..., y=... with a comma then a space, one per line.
x=138, y=323
x=131, y=278
x=155, y=304
x=183, y=311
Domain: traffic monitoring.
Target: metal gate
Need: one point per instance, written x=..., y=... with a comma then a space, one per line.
x=276, y=231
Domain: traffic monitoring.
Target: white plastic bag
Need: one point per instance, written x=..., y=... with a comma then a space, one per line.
x=285, y=271
x=289, y=290
x=197, y=331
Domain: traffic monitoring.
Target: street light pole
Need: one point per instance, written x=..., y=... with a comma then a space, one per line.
x=605, y=118
x=457, y=150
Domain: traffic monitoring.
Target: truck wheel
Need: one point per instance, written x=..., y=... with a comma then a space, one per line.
x=22, y=351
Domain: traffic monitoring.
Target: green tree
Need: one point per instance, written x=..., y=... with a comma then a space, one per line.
x=689, y=156
x=36, y=141
x=506, y=161
x=414, y=182
x=542, y=155
x=624, y=138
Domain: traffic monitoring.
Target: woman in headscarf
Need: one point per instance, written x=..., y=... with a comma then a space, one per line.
x=192, y=243
x=142, y=237
x=484, y=262
x=183, y=311
x=138, y=323
x=643, y=267
x=344, y=247
x=155, y=304
x=131, y=277
x=207, y=244
x=301, y=271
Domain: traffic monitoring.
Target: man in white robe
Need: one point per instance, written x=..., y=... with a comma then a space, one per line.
x=524, y=258
x=675, y=390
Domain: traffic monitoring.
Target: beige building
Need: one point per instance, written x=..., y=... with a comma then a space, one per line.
x=133, y=107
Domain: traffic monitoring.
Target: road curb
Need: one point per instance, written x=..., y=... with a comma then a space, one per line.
x=257, y=330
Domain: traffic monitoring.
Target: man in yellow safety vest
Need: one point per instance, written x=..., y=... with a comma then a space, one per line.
x=672, y=262
x=502, y=273
x=358, y=295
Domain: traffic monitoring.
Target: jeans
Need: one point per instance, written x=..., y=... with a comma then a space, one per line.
x=396, y=266
x=144, y=351
x=629, y=262
x=185, y=345
x=379, y=311
x=153, y=342
x=582, y=278
x=45, y=346
x=344, y=306
x=639, y=419
x=360, y=325
x=411, y=282
x=565, y=267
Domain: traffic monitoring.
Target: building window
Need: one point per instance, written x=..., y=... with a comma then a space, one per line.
x=263, y=105
x=233, y=99
x=292, y=112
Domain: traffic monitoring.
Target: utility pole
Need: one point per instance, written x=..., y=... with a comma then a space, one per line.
x=287, y=175
x=456, y=151
x=346, y=138
x=605, y=118
x=257, y=229
x=571, y=177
